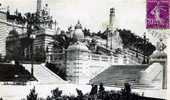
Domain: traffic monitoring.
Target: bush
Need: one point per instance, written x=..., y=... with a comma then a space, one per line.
x=124, y=94
x=33, y=95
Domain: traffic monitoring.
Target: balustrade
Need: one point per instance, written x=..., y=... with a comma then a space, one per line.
x=129, y=59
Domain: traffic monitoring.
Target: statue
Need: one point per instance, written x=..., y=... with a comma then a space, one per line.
x=159, y=52
x=160, y=46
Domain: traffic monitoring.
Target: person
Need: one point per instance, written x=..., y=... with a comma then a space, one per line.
x=127, y=88
x=80, y=94
x=160, y=46
x=93, y=92
x=92, y=89
x=101, y=88
x=101, y=91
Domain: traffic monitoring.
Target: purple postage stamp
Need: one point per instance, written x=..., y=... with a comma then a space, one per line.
x=157, y=14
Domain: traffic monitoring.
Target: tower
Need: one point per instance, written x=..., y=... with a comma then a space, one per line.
x=112, y=18
x=113, y=38
x=39, y=6
x=110, y=27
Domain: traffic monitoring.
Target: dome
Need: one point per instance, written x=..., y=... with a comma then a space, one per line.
x=78, y=33
x=78, y=46
x=78, y=25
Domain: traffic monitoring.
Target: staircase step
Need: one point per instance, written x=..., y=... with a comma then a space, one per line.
x=44, y=75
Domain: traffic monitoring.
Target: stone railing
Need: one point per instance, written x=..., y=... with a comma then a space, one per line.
x=113, y=60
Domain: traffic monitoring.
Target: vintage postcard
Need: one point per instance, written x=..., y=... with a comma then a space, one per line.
x=84, y=49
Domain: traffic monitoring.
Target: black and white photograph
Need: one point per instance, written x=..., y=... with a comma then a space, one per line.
x=84, y=49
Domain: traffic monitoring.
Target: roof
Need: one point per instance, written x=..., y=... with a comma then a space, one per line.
x=78, y=34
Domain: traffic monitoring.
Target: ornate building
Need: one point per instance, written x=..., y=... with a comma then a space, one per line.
x=81, y=63
x=40, y=23
x=7, y=25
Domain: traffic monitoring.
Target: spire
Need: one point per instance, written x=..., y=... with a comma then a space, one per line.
x=78, y=25
x=16, y=12
x=144, y=35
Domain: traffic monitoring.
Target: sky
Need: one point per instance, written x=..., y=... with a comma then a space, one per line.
x=93, y=14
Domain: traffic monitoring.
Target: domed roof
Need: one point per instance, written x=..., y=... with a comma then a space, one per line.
x=78, y=25
x=78, y=46
x=78, y=33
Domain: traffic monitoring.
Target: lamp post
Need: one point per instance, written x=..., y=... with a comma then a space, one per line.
x=32, y=37
x=145, y=42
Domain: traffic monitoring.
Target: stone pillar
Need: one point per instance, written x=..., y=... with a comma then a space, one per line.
x=160, y=56
x=164, y=81
x=163, y=62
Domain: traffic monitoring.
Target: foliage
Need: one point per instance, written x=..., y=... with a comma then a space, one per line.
x=33, y=95
x=61, y=41
x=86, y=32
x=56, y=93
x=14, y=51
x=130, y=40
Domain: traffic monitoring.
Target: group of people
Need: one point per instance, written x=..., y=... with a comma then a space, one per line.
x=96, y=93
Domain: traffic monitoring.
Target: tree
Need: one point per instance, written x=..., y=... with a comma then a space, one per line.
x=14, y=48
x=33, y=95
x=130, y=40
x=61, y=41
x=56, y=93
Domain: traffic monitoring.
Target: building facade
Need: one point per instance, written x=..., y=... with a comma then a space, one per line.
x=81, y=63
x=15, y=29
x=6, y=27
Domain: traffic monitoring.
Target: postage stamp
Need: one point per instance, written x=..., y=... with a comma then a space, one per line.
x=157, y=16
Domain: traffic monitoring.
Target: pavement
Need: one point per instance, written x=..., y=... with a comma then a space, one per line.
x=16, y=92
x=47, y=81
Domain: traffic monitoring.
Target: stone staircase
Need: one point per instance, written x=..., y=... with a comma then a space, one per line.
x=153, y=72
x=44, y=75
x=117, y=75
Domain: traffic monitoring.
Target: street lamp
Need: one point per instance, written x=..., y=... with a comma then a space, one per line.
x=32, y=37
